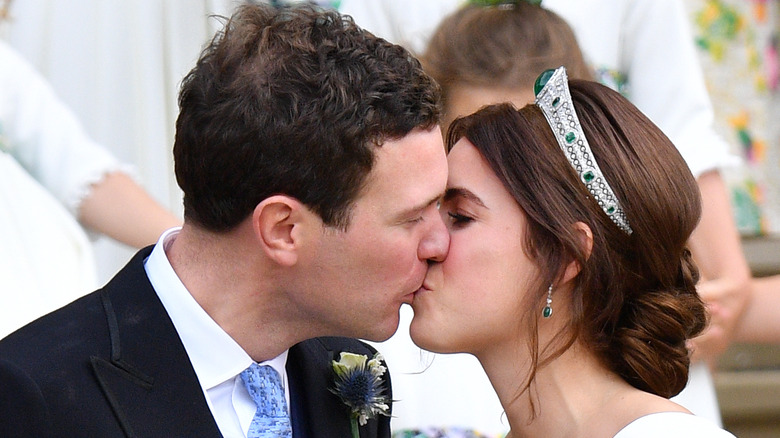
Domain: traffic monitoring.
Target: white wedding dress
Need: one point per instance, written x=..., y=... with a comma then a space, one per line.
x=672, y=425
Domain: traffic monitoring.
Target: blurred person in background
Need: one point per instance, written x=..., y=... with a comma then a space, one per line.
x=57, y=183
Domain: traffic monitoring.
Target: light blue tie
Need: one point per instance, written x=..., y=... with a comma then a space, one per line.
x=271, y=419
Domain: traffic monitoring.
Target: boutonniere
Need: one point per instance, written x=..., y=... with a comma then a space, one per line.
x=358, y=383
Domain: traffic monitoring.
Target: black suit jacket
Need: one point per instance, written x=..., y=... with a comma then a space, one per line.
x=111, y=364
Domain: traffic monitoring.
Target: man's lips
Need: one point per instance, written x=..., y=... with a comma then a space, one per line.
x=409, y=298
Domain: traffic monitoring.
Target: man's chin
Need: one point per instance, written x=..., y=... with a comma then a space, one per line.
x=383, y=332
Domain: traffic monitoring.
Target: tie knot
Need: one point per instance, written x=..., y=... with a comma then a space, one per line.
x=265, y=388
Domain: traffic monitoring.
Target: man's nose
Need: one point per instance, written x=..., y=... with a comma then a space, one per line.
x=436, y=243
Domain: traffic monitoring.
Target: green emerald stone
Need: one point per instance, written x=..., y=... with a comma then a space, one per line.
x=547, y=312
x=541, y=81
x=588, y=176
x=611, y=209
x=570, y=137
x=556, y=101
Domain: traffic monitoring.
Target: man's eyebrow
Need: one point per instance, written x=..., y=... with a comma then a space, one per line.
x=459, y=192
x=418, y=208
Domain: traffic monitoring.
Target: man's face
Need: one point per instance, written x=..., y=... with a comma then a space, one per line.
x=361, y=277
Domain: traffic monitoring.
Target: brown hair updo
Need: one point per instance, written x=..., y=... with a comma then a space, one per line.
x=634, y=302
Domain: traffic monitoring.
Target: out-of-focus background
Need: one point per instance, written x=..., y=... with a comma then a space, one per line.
x=738, y=44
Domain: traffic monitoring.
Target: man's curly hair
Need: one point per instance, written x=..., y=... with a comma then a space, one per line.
x=292, y=101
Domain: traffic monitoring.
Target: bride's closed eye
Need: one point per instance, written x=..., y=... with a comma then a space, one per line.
x=459, y=220
x=459, y=204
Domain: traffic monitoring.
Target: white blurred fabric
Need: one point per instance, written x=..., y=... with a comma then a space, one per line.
x=45, y=260
x=47, y=164
x=118, y=65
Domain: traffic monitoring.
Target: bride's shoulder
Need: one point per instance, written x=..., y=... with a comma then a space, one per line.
x=672, y=425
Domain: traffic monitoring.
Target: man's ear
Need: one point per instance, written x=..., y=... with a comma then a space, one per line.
x=582, y=230
x=277, y=224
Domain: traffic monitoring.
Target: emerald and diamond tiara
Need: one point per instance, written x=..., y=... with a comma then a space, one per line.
x=554, y=99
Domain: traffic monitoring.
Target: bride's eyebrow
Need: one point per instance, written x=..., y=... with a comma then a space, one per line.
x=459, y=192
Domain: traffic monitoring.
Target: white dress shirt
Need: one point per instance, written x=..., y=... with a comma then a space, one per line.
x=217, y=359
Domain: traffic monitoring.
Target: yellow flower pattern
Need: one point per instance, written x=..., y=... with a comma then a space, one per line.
x=738, y=42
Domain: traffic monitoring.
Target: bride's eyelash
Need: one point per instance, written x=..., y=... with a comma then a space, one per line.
x=459, y=219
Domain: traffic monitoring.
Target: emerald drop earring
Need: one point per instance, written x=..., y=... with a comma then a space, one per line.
x=547, y=312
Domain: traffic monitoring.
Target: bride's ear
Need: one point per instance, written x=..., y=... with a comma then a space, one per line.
x=585, y=238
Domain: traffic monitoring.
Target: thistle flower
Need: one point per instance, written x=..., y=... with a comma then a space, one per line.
x=358, y=383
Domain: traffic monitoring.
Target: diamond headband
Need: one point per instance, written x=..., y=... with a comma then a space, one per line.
x=553, y=98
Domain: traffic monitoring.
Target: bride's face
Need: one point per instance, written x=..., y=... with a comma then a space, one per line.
x=471, y=300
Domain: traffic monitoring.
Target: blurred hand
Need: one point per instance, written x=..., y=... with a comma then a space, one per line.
x=725, y=276
x=725, y=301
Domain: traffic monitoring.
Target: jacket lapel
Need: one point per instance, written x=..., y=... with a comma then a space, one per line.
x=315, y=411
x=148, y=379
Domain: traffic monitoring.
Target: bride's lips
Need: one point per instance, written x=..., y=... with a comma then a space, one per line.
x=423, y=288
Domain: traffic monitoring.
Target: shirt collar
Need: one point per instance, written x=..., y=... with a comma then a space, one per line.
x=215, y=356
